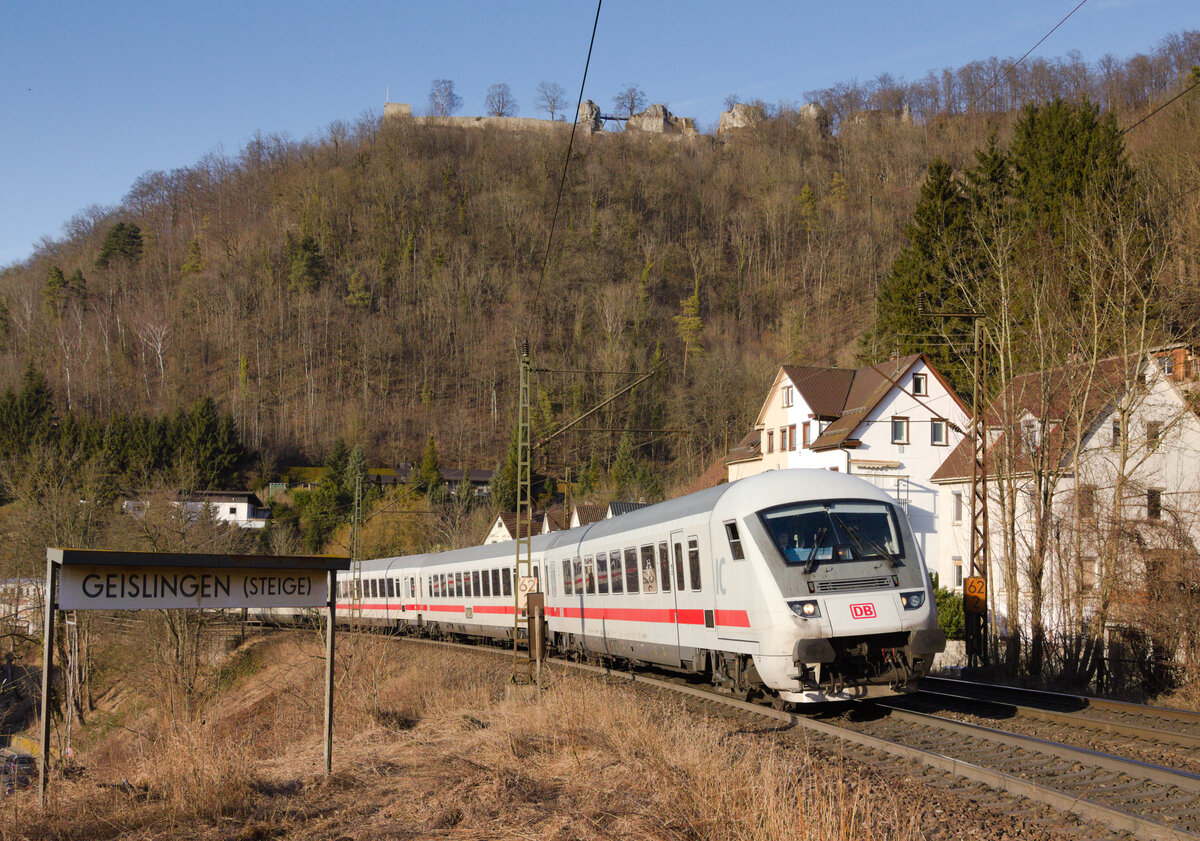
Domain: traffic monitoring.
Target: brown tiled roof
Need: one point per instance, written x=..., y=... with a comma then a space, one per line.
x=509, y=518
x=558, y=518
x=865, y=389
x=589, y=513
x=1067, y=398
x=823, y=389
x=748, y=449
x=714, y=475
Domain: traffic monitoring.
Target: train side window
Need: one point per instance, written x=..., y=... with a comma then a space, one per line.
x=537, y=576
x=602, y=573
x=649, y=576
x=374, y=589
x=568, y=578
x=680, y=581
x=631, y=570
x=616, y=579
x=589, y=575
x=412, y=582
x=458, y=585
x=495, y=582
x=391, y=582
x=475, y=583
x=578, y=576
x=664, y=566
x=506, y=577
x=694, y=561
x=735, y=542
x=487, y=583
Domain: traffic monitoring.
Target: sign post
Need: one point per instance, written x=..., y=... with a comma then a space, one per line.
x=91, y=579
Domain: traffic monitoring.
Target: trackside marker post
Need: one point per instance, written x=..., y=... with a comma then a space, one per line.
x=90, y=579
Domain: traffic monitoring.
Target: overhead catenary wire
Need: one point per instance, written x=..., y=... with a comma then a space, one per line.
x=566, y=162
x=1019, y=61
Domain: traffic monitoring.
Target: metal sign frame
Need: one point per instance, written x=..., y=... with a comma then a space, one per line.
x=276, y=564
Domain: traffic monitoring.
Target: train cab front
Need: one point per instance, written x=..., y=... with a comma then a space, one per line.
x=862, y=607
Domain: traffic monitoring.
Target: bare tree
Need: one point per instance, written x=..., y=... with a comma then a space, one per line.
x=443, y=101
x=500, y=101
x=551, y=98
x=629, y=100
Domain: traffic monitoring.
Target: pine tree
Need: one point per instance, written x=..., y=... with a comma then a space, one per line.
x=194, y=261
x=77, y=285
x=937, y=236
x=122, y=242
x=358, y=296
x=429, y=474
x=54, y=292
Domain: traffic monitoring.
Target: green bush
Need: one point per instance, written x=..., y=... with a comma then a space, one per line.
x=950, y=613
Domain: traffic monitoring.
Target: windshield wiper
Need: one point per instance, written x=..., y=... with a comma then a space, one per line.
x=810, y=562
x=854, y=533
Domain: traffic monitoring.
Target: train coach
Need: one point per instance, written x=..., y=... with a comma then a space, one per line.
x=801, y=585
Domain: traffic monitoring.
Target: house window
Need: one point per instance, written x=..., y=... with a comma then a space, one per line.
x=792, y=437
x=899, y=430
x=919, y=385
x=770, y=440
x=937, y=433
x=958, y=572
x=807, y=441
x=788, y=398
x=232, y=510
x=1087, y=501
x=1153, y=435
x=958, y=507
x=783, y=439
x=1087, y=572
x=1115, y=443
x=1154, y=504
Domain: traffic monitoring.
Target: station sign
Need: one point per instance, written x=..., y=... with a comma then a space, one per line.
x=142, y=587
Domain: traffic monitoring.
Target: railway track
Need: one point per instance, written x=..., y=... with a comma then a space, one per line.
x=1126, y=796
x=1155, y=725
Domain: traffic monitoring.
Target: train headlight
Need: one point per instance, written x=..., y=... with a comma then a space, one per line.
x=913, y=600
x=807, y=609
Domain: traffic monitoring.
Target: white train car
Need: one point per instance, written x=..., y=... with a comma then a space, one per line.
x=806, y=585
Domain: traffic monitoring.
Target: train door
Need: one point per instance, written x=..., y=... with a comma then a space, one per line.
x=670, y=589
x=689, y=612
x=733, y=583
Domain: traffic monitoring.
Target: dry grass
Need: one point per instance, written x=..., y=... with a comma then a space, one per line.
x=428, y=747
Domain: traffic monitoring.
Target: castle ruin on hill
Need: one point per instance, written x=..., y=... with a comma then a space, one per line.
x=655, y=120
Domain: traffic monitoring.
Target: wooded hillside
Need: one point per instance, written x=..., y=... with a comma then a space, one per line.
x=374, y=284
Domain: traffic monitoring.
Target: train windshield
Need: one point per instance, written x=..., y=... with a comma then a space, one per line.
x=811, y=533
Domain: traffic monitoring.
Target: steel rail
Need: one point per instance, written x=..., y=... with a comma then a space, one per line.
x=1077, y=719
x=1086, y=700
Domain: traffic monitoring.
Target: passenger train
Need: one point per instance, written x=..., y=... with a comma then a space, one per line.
x=800, y=585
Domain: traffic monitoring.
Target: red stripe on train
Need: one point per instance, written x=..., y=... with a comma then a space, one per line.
x=723, y=618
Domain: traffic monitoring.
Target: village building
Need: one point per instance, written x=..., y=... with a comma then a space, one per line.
x=240, y=508
x=892, y=423
x=1093, y=493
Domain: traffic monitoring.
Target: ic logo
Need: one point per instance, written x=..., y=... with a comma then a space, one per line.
x=862, y=611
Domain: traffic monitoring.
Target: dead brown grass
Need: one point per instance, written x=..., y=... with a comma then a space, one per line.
x=427, y=747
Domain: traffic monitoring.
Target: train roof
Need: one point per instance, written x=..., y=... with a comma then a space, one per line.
x=766, y=489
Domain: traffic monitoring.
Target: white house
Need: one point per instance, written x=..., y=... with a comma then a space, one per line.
x=241, y=508
x=892, y=423
x=1094, y=481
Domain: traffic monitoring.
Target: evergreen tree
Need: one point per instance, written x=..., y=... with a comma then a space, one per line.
x=358, y=296
x=429, y=474
x=305, y=265
x=122, y=242
x=77, y=285
x=54, y=292
x=194, y=261
x=937, y=237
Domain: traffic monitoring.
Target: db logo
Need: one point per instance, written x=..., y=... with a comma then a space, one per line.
x=862, y=611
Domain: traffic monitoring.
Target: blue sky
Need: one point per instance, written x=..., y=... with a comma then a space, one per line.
x=94, y=94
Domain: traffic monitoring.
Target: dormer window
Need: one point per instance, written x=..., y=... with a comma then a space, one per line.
x=788, y=397
x=920, y=387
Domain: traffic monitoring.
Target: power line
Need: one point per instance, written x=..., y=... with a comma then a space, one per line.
x=1186, y=90
x=566, y=160
x=1013, y=66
